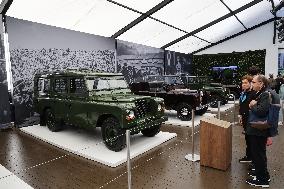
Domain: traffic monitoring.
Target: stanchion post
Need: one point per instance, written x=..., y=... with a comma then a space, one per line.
x=234, y=110
x=192, y=157
x=192, y=134
x=282, y=111
x=219, y=113
x=128, y=158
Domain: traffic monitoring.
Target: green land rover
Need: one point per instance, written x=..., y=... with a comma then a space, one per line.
x=87, y=99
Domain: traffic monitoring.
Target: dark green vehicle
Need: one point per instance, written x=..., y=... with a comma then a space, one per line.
x=215, y=93
x=89, y=100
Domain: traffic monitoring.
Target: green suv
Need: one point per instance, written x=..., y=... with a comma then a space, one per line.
x=86, y=99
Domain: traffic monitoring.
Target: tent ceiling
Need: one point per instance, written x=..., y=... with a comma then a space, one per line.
x=176, y=18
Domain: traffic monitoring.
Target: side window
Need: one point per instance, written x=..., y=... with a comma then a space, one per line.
x=60, y=85
x=77, y=85
x=43, y=86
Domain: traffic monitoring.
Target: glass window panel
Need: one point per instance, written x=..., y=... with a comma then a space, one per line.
x=191, y=14
x=235, y=4
x=188, y=45
x=140, y=5
x=91, y=16
x=106, y=19
x=256, y=14
x=151, y=33
x=221, y=30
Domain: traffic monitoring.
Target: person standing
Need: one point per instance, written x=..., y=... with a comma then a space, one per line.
x=245, y=99
x=257, y=138
x=279, y=81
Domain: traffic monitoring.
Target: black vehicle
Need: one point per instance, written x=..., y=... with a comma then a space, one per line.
x=216, y=92
x=174, y=93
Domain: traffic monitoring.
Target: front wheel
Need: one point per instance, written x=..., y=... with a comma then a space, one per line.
x=152, y=131
x=184, y=112
x=113, y=135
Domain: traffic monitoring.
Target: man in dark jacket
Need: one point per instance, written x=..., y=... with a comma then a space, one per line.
x=257, y=137
x=245, y=99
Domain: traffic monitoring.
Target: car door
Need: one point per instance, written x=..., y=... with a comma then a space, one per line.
x=78, y=104
x=60, y=97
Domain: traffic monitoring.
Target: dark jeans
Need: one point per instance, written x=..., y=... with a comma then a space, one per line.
x=248, y=150
x=258, y=153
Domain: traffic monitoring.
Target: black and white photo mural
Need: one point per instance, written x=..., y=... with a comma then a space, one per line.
x=36, y=48
x=136, y=61
x=281, y=61
x=177, y=63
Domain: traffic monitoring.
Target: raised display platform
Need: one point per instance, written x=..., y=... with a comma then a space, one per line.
x=223, y=108
x=11, y=182
x=89, y=144
x=173, y=120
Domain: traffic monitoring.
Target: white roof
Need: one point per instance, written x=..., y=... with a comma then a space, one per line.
x=186, y=20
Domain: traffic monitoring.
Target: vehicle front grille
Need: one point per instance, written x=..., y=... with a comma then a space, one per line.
x=143, y=108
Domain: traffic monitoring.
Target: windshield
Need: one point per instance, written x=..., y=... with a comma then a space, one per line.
x=106, y=83
x=153, y=78
x=173, y=80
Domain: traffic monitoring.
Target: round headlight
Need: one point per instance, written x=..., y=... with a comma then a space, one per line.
x=130, y=115
x=159, y=107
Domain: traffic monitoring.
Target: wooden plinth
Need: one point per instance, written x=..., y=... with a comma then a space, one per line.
x=215, y=143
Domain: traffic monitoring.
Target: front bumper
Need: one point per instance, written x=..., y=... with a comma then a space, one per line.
x=144, y=123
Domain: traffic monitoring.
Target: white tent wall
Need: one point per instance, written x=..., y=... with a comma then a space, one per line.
x=257, y=39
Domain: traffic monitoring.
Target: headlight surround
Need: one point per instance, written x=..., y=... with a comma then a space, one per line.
x=130, y=115
x=161, y=107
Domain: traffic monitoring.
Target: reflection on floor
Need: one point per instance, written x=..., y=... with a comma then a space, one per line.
x=46, y=166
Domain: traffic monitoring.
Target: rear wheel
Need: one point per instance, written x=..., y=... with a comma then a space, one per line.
x=113, y=135
x=184, y=112
x=152, y=131
x=51, y=122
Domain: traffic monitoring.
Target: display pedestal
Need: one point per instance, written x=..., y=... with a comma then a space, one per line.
x=215, y=143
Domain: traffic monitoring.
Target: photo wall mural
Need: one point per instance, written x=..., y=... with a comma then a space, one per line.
x=281, y=61
x=36, y=48
x=136, y=61
x=178, y=63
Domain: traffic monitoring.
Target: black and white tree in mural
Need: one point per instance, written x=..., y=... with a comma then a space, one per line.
x=178, y=63
x=136, y=61
x=36, y=48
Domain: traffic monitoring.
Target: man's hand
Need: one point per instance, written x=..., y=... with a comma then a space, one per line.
x=252, y=103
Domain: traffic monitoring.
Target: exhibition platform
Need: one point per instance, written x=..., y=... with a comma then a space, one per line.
x=90, y=144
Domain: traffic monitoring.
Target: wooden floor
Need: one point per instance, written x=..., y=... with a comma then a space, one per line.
x=43, y=166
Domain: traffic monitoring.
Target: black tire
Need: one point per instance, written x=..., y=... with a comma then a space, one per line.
x=51, y=122
x=214, y=101
x=113, y=136
x=152, y=131
x=202, y=111
x=184, y=111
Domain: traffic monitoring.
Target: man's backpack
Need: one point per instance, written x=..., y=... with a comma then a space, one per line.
x=273, y=115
